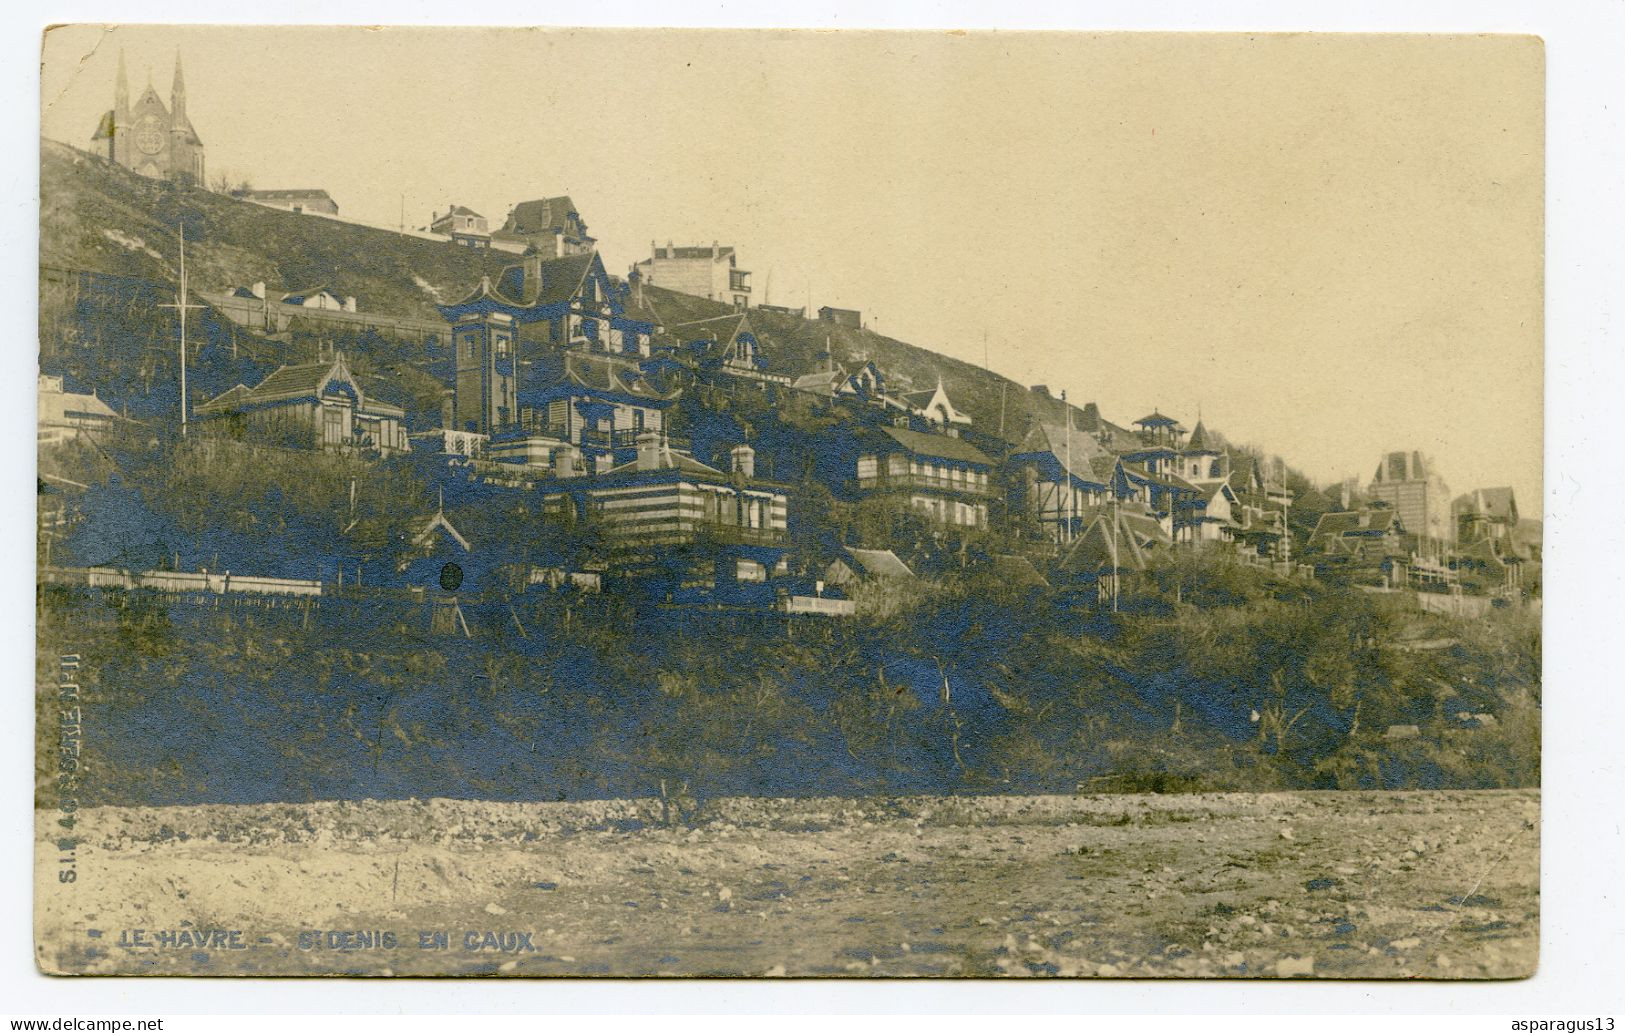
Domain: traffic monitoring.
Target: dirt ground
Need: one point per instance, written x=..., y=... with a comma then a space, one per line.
x=1327, y=885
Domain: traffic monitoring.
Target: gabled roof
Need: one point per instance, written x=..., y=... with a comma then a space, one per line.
x=290, y=383
x=879, y=563
x=1243, y=471
x=1017, y=571
x=439, y=522
x=54, y=406
x=1369, y=522
x=718, y=333
x=1495, y=503
x=458, y=209
x=667, y=458
x=560, y=280
x=1104, y=467
x=820, y=382
x=297, y=297
x=937, y=445
x=226, y=401
x=923, y=401
x=1112, y=540
x=1049, y=439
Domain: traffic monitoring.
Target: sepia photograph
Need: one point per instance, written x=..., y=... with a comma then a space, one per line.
x=623, y=503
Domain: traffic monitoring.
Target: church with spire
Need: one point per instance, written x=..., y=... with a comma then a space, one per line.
x=147, y=136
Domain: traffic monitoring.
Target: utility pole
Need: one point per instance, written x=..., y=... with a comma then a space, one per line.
x=1066, y=473
x=181, y=305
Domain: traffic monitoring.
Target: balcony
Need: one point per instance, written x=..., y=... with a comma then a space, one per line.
x=733, y=534
x=927, y=482
x=611, y=438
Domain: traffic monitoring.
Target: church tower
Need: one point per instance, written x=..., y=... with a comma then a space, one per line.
x=185, y=149
x=148, y=137
x=121, y=115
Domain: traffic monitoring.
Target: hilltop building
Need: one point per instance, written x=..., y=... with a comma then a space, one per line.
x=464, y=226
x=148, y=137
x=705, y=272
x=317, y=405
x=300, y=202
x=1408, y=484
x=551, y=226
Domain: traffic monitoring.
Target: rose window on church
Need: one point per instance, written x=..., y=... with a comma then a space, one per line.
x=149, y=138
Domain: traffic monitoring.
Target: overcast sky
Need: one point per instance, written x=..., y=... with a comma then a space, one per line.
x=1330, y=246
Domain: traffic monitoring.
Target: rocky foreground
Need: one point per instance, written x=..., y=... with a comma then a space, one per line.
x=1325, y=885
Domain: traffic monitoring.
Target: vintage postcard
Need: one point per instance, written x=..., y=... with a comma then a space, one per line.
x=765, y=503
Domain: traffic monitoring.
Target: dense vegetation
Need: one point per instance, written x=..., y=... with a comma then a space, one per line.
x=1263, y=685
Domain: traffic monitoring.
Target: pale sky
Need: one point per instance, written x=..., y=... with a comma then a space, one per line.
x=1329, y=245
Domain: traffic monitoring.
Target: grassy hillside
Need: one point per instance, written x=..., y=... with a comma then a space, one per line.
x=106, y=219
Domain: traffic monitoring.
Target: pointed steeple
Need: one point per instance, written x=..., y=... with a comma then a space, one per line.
x=121, y=93
x=1198, y=439
x=177, y=93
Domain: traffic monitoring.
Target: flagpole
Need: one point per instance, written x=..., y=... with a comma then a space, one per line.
x=1066, y=475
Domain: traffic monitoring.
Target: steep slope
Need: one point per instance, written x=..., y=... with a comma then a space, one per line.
x=102, y=218
x=796, y=346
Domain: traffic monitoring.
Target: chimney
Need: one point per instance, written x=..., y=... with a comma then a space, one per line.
x=744, y=460
x=714, y=249
x=564, y=462
x=258, y=290
x=532, y=271
x=649, y=450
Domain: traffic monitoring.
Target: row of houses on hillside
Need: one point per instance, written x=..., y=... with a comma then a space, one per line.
x=1399, y=538
x=564, y=383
